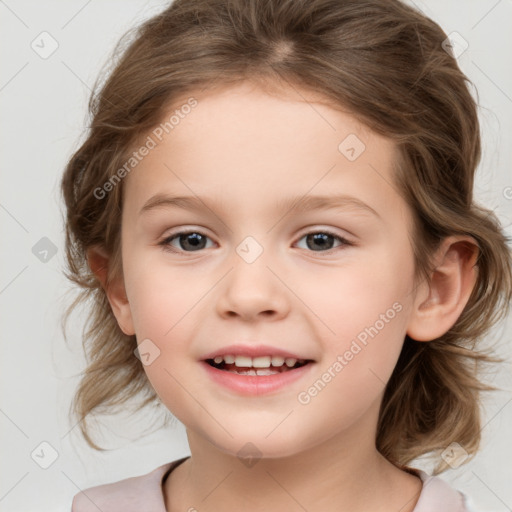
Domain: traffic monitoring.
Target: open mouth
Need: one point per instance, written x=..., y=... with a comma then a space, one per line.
x=265, y=365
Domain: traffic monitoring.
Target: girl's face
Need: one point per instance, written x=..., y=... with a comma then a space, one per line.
x=267, y=266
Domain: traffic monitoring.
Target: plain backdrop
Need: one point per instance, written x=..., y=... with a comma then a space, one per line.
x=43, y=100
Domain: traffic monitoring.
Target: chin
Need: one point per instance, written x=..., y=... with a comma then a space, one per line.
x=248, y=444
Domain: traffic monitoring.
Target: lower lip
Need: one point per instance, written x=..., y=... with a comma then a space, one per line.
x=254, y=384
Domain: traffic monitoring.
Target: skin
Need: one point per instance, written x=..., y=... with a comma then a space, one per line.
x=241, y=150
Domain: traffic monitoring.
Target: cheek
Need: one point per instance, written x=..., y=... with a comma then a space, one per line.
x=364, y=312
x=161, y=297
x=369, y=289
x=354, y=371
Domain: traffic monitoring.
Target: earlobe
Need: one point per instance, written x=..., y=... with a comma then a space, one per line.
x=440, y=302
x=98, y=260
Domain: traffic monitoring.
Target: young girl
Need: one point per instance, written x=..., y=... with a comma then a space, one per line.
x=273, y=216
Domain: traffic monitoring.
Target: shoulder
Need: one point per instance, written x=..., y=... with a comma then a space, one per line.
x=143, y=492
x=439, y=495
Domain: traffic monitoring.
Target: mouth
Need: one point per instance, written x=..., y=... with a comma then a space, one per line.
x=257, y=366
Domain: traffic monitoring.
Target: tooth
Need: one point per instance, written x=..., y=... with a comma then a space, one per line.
x=229, y=359
x=261, y=362
x=218, y=359
x=277, y=361
x=266, y=371
x=290, y=361
x=245, y=372
x=243, y=361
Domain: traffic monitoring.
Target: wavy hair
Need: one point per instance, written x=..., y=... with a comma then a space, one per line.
x=386, y=63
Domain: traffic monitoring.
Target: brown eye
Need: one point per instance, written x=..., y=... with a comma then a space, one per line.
x=187, y=241
x=323, y=241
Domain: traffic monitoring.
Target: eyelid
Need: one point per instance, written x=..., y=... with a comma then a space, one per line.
x=320, y=228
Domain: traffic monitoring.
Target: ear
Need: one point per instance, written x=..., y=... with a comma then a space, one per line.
x=98, y=260
x=439, y=303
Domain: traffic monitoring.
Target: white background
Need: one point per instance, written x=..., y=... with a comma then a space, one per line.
x=43, y=110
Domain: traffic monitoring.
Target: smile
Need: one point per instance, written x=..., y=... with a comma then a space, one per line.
x=261, y=365
x=255, y=376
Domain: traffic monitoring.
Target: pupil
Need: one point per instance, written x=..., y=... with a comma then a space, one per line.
x=193, y=240
x=320, y=240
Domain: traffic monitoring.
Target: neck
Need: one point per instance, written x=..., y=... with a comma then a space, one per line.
x=345, y=472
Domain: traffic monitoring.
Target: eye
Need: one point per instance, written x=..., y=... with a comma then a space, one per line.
x=323, y=240
x=193, y=240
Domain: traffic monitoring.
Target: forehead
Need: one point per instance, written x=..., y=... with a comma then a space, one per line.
x=246, y=144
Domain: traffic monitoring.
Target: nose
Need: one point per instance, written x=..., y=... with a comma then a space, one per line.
x=253, y=290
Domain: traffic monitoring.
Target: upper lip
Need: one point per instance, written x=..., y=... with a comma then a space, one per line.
x=252, y=351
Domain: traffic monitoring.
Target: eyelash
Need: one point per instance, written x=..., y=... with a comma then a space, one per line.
x=165, y=243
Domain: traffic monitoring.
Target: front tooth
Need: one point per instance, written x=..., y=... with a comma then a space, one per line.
x=261, y=362
x=229, y=359
x=218, y=359
x=277, y=361
x=242, y=361
x=290, y=361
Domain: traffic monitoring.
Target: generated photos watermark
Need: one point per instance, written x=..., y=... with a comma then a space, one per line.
x=149, y=144
x=342, y=360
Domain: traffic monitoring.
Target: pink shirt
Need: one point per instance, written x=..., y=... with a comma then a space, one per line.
x=145, y=493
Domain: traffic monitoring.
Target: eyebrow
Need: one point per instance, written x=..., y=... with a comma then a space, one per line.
x=293, y=204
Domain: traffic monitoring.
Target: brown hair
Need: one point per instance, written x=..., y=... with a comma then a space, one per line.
x=382, y=60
